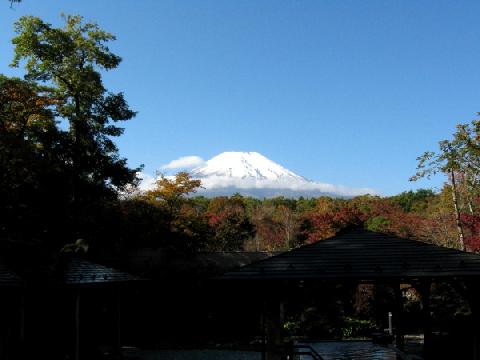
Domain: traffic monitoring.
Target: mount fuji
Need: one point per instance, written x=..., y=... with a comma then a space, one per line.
x=252, y=174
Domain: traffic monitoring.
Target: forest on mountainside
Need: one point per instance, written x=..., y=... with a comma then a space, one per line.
x=62, y=178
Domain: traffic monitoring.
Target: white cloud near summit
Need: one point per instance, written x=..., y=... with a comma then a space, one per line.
x=147, y=181
x=184, y=162
x=299, y=185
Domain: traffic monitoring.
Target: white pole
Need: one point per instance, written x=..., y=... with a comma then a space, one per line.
x=390, y=328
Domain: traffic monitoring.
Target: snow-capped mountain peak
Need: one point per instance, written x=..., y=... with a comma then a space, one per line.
x=251, y=174
x=243, y=165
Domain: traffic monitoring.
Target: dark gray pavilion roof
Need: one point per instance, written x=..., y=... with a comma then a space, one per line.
x=362, y=255
x=82, y=272
x=8, y=278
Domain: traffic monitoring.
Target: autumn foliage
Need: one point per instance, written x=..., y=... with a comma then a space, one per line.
x=242, y=223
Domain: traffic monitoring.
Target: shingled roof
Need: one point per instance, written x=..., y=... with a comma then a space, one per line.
x=363, y=255
x=8, y=278
x=78, y=271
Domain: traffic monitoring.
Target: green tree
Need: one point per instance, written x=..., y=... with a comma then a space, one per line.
x=32, y=165
x=228, y=218
x=413, y=200
x=68, y=62
x=459, y=159
x=289, y=224
x=231, y=229
x=377, y=223
x=185, y=222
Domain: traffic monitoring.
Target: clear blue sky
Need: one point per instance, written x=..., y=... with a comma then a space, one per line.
x=344, y=92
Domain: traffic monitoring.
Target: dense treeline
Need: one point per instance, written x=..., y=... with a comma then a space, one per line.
x=245, y=223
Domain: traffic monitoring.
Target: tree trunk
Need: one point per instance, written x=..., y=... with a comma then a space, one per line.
x=469, y=189
x=456, y=210
x=470, y=207
x=287, y=236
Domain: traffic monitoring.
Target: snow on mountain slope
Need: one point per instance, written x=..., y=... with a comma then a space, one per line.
x=244, y=165
x=252, y=174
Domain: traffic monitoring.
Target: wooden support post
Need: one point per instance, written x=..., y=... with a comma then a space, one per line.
x=77, y=325
x=21, y=330
x=399, y=336
x=3, y=324
x=379, y=311
x=263, y=329
x=424, y=290
x=274, y=327
x=349, y=295
x=22, y=319
x=476, y=319
x=473, y=293
x=118, y=340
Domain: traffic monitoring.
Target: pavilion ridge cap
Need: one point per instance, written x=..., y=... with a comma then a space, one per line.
x=362, y=254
